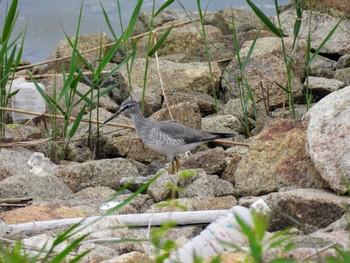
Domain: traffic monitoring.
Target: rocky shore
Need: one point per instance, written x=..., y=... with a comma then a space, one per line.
x=299, y=167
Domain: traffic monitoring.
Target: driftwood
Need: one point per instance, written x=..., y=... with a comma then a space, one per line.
x=15, y=202
x=140, y=220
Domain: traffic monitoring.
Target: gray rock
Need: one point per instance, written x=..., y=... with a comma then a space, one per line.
x=189, y=76
x=186, y=113
x=25, y=132
x=55, y=84
x=276, y=159
x=88, y=199
x=321, y=25
x=205, y=102
x=303, y=205
x=343, y=62
x=321, y=87
x=40, y=188
x=195, y=204
x=159, y=190
x=97, y=253
x=327, y=134
x=133, y=256
x=244, y=21
x=106, y=172
x=266, y=67
x=4, y=229
x=233, y=107
x=85, y=42
x=235, y=155
x=222, y=124
x=186, y=40
x=322, y=67
x=212, y=161
x=343, y=75
x=205, y=186
x=106, y=227
x=14, y=161
x=39, y=241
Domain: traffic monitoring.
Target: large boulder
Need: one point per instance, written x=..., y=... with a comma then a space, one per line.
x=321, y=25
x=106, y=172
x=311, y=209
x=85, y=42
x=327, y=139
x=193, y=76
x=41, y=188
x=276, y=159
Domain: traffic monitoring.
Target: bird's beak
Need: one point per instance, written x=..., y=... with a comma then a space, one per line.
x=112, y=117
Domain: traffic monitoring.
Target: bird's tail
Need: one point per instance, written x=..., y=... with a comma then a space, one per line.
x=216, y=135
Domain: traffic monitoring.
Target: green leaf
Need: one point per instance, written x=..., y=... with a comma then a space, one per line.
x=13, y=93
x=130, y=29
x=165, y=5
x=108, y=22
x=9, y=22
x=265, y=19
x=77, y=121
x=297, y=26
x=282, y=87
x=160, y=42
x=250, y=51
x=63, y=254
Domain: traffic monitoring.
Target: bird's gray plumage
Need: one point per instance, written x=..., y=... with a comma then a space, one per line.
x=167, y=138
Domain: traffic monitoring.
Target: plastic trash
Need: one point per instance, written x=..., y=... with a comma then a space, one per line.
x=40, y=165
x=27, y=99
x=215, y=237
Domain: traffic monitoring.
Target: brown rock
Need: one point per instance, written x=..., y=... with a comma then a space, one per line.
x=276, y=159
x=40, y=213
x=212, y=161
x=334, y=7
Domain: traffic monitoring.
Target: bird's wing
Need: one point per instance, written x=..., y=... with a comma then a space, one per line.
x=180, y=132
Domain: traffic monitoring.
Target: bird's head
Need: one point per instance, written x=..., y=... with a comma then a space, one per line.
x=127, y=108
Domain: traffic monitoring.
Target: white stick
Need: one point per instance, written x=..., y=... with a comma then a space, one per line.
x=181, y=218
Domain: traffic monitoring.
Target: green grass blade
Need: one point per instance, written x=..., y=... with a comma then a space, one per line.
x=165, y=5
x=9, y=22
x=324, y=42
x=80, y=56
x=130, y=29
x=250, y=51
x=160, y=42
x=77, y=121
x=265, y=19
x=108, y=22
x=236, y=42
x=63, y=254
x=200, y=10
x=282, y=87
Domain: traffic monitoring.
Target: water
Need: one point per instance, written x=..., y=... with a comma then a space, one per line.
x=48, y=19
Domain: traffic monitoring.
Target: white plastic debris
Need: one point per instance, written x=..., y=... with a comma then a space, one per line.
x=216, y=237
x=109, y=205
x=39, y=164
x=28, y=98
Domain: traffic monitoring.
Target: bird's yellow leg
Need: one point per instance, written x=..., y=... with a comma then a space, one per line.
x=172, y=168
x=177, y=164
